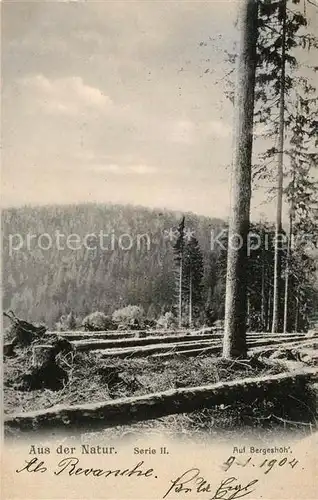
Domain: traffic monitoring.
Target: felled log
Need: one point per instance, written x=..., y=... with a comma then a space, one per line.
x=88, y=345
x=170, y=345
x=91, y=344
x=216, y=348
x=188, y=353
x=92, y=335
x=268, y=349
x=113, y=335
x=134, y=409
x=148, y=350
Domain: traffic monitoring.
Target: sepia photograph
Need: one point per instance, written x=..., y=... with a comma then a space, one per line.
x=159, y=196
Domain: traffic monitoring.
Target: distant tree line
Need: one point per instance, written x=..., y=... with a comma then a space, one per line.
x=62, y=288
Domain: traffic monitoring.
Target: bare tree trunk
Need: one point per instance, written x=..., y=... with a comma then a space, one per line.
x=190, y=300
x=234, y=344
x=263, y=319
x=297, y=310
x=248, y=309
x=180, y=291
x=270, y=305
x=276, y=324
x=289, y=249
x=287, y=271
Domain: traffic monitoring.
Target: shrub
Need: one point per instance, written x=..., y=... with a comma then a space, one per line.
x=67, y=322
x=129, y=317
x=98, y=321
x=167, y=321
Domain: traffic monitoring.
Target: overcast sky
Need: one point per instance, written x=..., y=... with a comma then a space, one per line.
x=117, y=102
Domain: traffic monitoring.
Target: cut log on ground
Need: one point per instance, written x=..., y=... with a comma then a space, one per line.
x=134, y=333
x=148, y=350
x=188, y=353
x=287, y=345
x=88, y=345
x=217, y=348
x=213, y=345
x=134, y=409
x=170, y=345
x=113, y=335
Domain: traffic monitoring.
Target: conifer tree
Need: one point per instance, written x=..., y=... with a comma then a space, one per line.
x=284, y=96
x=179, y=258
x=193, y=274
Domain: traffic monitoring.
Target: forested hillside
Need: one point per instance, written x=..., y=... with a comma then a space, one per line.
x=44, y=278
x=90, y=257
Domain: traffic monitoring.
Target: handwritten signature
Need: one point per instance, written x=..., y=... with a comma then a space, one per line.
x=192, y=481
x=229, y=489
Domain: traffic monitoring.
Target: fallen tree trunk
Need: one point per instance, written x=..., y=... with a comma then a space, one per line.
x=157, y=348
x=284, y=345
x=116, y=335
x=169, y=346
x=122, y=333
x=145, y=348
x=134, y=409
x=88, y=345
x=93, y=335
x=217, y=348
x=189, y=353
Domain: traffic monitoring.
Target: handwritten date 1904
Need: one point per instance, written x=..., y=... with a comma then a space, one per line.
x=192, y=481
x=266, y=465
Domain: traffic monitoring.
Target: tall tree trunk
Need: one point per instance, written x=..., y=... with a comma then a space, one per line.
x=263, y=298
x=297, y=310
x=287, y=271
x=270, y=308
x=248, y=310
x=180, y=291
x=190, y=300
x=289, y=249
x=277, y=319
x=234, y=343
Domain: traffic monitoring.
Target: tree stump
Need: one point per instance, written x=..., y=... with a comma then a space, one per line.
x=41, y=354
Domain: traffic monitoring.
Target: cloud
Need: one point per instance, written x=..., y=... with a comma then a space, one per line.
x=189, y=132
x=64, y=96
x=113, y=168
x=183, y=131
x=218, y=128
x=142, y=169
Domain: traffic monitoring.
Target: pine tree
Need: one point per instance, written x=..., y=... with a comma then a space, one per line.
x=280, y=86
x=179, y=257
x=193, y=275
x=211, y=278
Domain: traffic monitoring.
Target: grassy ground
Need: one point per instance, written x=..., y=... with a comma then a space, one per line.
x=92, y=379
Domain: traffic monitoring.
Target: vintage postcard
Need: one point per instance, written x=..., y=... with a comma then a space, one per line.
x=159, y=249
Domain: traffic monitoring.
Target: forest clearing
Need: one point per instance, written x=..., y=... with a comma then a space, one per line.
x=164, y=374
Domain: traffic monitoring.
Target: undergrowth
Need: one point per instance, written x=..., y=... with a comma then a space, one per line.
x=93, y=379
